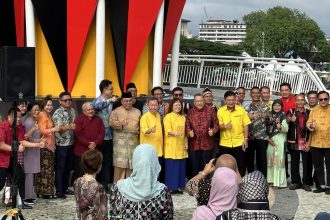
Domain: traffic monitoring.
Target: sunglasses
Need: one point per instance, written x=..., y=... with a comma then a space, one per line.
x=178, y=95
x=66, y=100
x=323, y=100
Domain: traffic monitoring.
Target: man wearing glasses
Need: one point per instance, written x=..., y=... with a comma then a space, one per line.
x=319, y=124
x=240, y=97
x=177, y=92
x=64, y=118
x=158, y=93
x=201, y=124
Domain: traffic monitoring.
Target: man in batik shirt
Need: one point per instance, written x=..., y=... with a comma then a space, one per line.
x=125, y=122
x=258, y=113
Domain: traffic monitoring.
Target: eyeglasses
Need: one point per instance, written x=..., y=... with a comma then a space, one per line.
x=178, y=94
x=323, y=100
x=66, y=100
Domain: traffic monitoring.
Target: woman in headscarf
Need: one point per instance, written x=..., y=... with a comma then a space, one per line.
x=277, y=129
x=252, y=200
x=224, y=188
x=141, y=196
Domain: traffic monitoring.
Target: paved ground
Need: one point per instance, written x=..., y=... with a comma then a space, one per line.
x=287, y=204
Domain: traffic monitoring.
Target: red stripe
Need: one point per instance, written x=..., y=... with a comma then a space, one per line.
x=19, y=21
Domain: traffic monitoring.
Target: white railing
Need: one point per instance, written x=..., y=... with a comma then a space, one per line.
x=231, y=72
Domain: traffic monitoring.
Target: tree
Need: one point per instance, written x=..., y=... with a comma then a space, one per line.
x=323, y=53
x=201, y=47
x=280, y=30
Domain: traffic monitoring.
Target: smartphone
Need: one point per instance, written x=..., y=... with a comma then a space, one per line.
x=214, y=161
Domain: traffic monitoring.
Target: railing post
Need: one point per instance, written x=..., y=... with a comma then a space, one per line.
x=301, y=76
x=239, y=75
x=272, y=79
x=200, y=74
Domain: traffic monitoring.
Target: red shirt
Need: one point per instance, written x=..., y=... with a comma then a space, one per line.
x=200, y=121
x=87, y=130
x=288, y=103
x=6, y=135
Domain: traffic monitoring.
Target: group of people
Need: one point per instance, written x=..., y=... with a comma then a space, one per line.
x=177, y=140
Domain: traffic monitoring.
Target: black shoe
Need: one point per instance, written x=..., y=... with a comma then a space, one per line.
x=327, y=191
x=29, y=201
x=319, y=190
x=69, y=192
x=307, y=188
x=60, y=195
x=173, y=192
x=294, y=186
x=25, y=206
x=48, y=196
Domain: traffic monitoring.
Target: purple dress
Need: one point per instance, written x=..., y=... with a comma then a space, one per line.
x=31, y=154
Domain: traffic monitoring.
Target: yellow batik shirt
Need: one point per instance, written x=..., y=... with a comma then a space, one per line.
x=321, y=133
x=148, y=121
x=174, y=145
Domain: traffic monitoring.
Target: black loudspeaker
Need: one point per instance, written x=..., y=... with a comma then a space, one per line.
x=17, y=66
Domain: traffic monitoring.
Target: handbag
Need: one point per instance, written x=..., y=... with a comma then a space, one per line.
x=7, y=198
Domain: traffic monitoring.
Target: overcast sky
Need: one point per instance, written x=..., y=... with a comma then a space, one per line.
x=318, y=10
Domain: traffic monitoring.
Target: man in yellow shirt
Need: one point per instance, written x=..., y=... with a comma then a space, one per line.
x=319, y=124
x=151, y=131
x=234, y=130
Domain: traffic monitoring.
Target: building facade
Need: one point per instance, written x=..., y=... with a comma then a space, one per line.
x=227, y=32
x=184, y=28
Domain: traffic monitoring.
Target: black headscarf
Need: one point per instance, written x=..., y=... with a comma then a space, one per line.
x=272, y=129
x=252, y=200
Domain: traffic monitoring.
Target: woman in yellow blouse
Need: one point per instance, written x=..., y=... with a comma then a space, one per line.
x=175, y=147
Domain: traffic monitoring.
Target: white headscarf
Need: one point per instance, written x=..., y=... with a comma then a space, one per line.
x=142, y=184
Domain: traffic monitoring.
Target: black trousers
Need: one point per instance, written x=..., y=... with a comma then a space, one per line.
x=197, y=160
x=63, y=165
x=9, y=172
x=259, y=148
x=106, y=174
x=238, y=154
x=307, y=167
x=319, y=155
x=161, y=177
x=78, y=171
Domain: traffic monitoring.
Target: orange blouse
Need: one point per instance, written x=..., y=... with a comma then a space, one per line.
x=45, y=124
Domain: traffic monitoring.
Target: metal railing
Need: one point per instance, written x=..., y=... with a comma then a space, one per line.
x=230, y=72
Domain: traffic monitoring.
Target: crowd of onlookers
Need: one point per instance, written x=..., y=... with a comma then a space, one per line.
x=141, y=153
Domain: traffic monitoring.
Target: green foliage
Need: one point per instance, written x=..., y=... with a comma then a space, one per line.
x=284, y=30
x=323, y=54
x=201, y=47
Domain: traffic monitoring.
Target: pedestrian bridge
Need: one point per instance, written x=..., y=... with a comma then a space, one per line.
x=229, y=72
